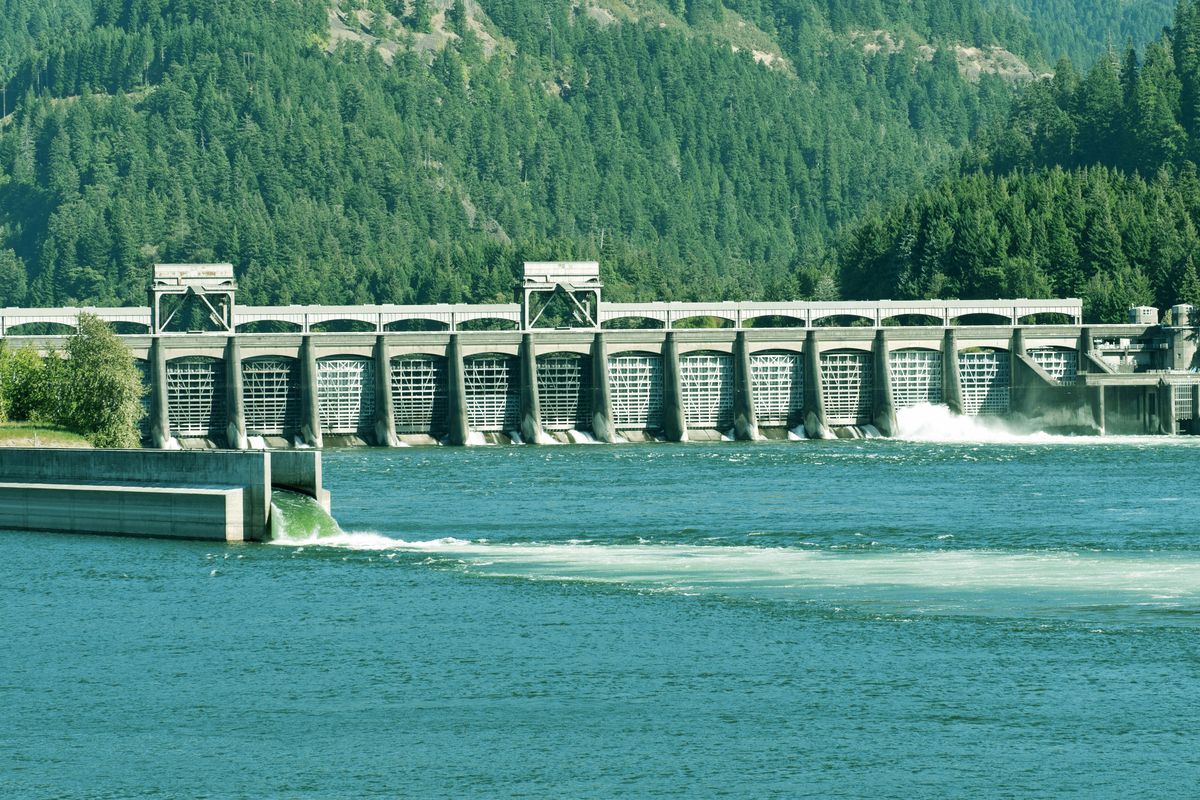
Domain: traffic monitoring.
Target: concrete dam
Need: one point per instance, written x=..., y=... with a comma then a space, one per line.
x=624, y=371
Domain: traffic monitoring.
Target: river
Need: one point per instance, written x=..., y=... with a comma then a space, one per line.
x=1017, y=617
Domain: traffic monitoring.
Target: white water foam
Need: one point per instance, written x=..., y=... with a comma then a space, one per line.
x=477, y=439
x=1159, y=579
x=581, y=437
x=257, y=442
x=936, y=423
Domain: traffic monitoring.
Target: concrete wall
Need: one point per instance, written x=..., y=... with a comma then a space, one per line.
x=158, y=511
x=132, y=476
x=299, y=471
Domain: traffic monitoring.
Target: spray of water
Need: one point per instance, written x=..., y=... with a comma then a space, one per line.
x=936, y=423
x=299, y=519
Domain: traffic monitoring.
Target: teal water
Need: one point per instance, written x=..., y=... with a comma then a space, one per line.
x=807, y=619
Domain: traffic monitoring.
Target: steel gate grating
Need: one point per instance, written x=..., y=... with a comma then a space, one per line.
x=419, y=394
x=916, y=377
x=986, y=379
x=493, y=393
x=1181, y=394
x=635, y=389
x=565, y=391
x=846, y=384
x=706, y=386
x=346, y=395
x=196, y=396
x=778, y=381
x=1058, y=362
x=271, y=396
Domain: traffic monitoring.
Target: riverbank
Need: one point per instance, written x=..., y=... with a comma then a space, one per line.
x=33, y=434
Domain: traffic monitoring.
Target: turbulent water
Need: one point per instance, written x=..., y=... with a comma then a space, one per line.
x=984, y=616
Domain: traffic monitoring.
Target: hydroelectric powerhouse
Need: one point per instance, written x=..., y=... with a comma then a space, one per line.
x=561, y=365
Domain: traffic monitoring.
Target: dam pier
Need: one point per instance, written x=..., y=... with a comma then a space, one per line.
x=560, y=365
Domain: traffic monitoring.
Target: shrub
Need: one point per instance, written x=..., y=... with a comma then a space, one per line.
x=24, y=384
x=98, y=386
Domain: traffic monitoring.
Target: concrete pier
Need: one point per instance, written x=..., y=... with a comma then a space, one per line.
x=882, y=402
x=456, y=402
x=745, y=423
x=160, y=425
x=235, y=411
x=385, y=419
x=310, y=409
x=674, y=421
x=951, y=375
x=531, y=407
x=816, y=425
x=603, y=428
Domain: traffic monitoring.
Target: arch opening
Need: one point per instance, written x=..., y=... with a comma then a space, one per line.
x=420, y=394
x=271, y=395
x=343, y=326
x=1060, y=363
x=706, y=389
x=269, y=326
x=633, y=324
x=493, y=390
x=912, y=321
x=702, y=322
x=773, y=321
x=196, y=396
x=1046, y=318
x=844, y=321
x=847, y=379
x=635, y=384
x=123, y=328
x=778, y=384
x=986, y=376
x=40, y=329
x=488, y=324
x=916, y=377
x=565, y=391
x=416, y=326
x=967, y=320
x=346, y=394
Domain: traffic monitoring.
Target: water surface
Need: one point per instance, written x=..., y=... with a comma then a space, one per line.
x=788, y=619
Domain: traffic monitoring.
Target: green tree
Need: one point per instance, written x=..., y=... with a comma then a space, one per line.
x=99, y=387
x=24, y=389
x=12, y=279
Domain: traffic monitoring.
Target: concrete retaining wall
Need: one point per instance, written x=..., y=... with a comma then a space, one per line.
x=221, y=495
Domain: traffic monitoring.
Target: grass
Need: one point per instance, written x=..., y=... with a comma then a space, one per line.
x=37, y=434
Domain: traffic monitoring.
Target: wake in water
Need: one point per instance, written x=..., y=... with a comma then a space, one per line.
x=967, y=581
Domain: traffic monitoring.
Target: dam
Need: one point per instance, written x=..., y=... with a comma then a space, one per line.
x=561, y=365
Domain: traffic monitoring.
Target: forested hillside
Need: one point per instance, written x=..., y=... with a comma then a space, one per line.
x=1082, y=29
x=417, y=150
x=1089, y=188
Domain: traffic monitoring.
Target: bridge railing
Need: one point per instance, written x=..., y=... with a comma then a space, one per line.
x=667, y=314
